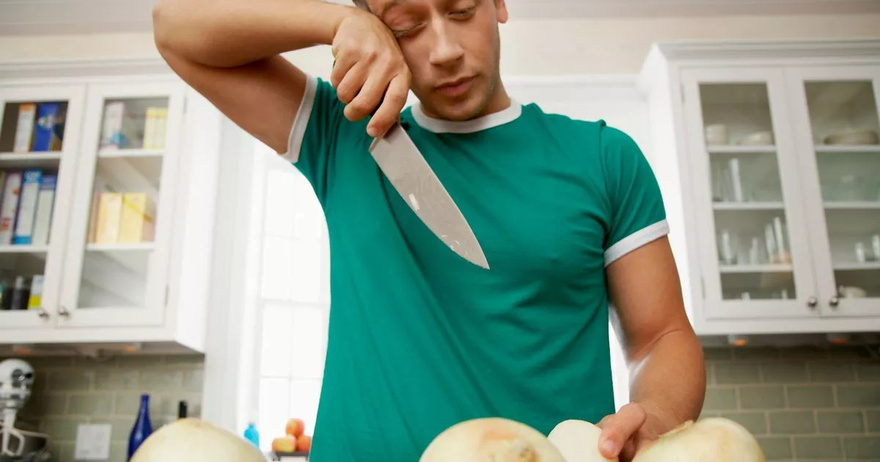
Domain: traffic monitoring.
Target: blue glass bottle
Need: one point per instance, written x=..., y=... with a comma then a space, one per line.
x=142, y=427
x=252, y=434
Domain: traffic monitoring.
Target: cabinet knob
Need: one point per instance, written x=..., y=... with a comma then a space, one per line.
x=812, y=302
x=63, y=311
x=41, y=312
x=835, y=300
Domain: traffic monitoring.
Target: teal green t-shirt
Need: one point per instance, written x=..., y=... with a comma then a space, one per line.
x=421, y=339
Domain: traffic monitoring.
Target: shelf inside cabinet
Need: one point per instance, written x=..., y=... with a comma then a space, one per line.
x=867, y=266
x=21, y=160
x=768, y=268
x=733, y=206
x=133, y=247
x=855, y=205
x=740, y=149
x=847, y=149
x=23, y=249
x=117, y=153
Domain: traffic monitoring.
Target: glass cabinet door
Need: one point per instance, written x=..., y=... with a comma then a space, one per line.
x=844, y=150
x=121, y=237
x=754, y=253
x=38, y=152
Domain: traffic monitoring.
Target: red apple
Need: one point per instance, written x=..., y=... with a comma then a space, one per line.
x=304, y=443
x=284, y=444
x=295, y=427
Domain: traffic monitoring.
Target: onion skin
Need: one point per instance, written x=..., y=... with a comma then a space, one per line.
x=194, y=440
x=491, y=439
x=578, y=441
x=708, y=440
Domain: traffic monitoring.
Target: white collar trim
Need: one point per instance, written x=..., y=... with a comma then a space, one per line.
x=508, y=114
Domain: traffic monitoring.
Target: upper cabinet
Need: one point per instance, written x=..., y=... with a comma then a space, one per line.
x=108, y=193
x=769, y=161
x=118, y=245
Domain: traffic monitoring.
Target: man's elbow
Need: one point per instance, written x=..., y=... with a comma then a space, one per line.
x=161, y=31
x=166, y=33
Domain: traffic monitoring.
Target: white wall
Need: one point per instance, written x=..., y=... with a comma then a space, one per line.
x=529, y=47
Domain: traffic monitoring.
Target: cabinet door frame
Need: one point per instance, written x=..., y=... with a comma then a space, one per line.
x=820, y=242
x=714, y=306
x=153, y=311
x=75, y=95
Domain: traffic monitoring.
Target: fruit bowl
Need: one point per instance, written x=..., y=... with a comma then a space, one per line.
x=299, y=454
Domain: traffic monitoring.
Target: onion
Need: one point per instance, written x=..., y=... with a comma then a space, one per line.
x=491, y=439
x=578, y=441
x=709, y=440
x=193, y=440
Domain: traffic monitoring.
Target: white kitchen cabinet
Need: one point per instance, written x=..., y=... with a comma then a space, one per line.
x=128, y=261
x=44, y=258
x=769, y=165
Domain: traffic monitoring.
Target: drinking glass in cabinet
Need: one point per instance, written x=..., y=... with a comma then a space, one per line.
x=740, y=143
x=32, y=126
x=755, y=260
x=754, y=256
x=846, y=136
x=134, y=124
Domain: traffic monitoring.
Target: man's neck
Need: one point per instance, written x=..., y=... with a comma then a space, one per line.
x=498, y=102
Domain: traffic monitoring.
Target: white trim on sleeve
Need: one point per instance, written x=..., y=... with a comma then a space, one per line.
x=635, y=240
x=301, y=121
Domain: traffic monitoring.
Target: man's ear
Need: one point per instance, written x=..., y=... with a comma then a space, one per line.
x=501, y=11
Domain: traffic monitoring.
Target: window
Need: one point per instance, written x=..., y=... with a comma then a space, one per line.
x=294, y=299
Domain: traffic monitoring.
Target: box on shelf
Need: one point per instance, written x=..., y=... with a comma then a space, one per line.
x=45, y=206
x=109, y=215
x=27, y=207
x=120, y=129
x=24, y=129
x=35, y=300
x=136, y=223
x=49, y=129
x=154, y=129
x=9, y=206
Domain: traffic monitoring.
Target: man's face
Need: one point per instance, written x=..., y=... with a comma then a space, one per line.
x=452, y=49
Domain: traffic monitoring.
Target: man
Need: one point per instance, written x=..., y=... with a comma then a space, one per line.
x=568, y=214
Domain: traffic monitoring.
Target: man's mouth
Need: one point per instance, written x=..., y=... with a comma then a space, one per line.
x=456, y=87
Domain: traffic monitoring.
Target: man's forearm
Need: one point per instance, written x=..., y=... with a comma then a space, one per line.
x=669, y=381
x=227, y=33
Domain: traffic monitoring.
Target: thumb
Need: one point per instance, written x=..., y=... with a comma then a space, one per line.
x=618, y=428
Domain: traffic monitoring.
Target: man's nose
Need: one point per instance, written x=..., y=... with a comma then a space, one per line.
x=446, y=48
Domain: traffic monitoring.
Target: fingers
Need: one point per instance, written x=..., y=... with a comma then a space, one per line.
x=618, y=428
x=351, y=83
x=368, y=98
x=341, y=65
x=389, y=111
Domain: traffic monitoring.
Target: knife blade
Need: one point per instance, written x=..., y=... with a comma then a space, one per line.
x=408, y=171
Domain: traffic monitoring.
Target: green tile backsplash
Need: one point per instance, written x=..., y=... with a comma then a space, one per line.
x=803, y=404
x=72, y=391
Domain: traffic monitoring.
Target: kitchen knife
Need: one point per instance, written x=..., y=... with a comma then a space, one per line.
x=405, y=167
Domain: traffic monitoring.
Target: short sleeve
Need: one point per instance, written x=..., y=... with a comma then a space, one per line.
x=314, y=134
x=637, y=215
